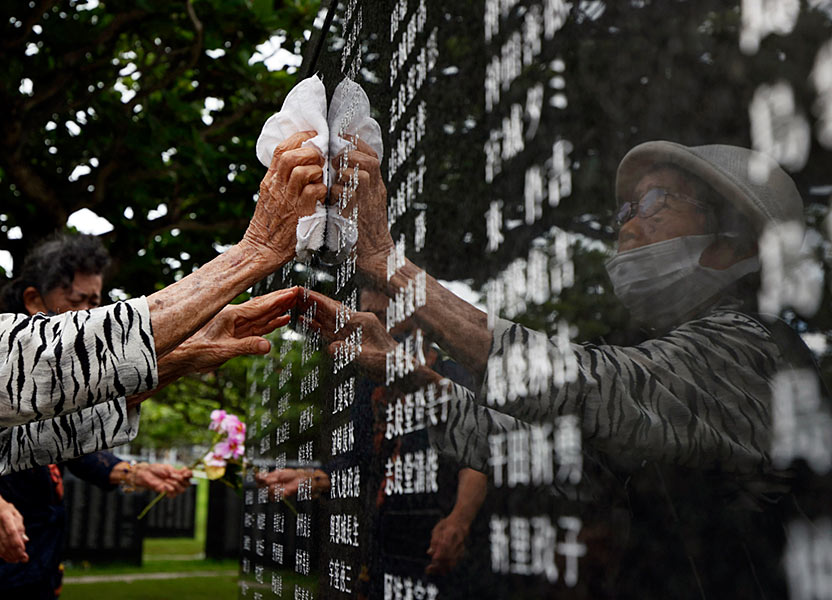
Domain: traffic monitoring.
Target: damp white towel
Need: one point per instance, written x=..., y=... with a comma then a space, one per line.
x=304, y=109
x=349, y=115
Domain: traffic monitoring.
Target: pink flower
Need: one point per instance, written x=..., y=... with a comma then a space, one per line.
x=213, y=460
x=217, y=419
x=231, y=447
x=232, y=425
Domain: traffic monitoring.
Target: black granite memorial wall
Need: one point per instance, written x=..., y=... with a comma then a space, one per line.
x=222, y=528
x=503, y=124
x=173, y=517
x=102, y=525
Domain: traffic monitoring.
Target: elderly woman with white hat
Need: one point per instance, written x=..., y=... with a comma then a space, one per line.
x=685, y=417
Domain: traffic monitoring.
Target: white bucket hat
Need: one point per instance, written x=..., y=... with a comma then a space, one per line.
x=726, y=170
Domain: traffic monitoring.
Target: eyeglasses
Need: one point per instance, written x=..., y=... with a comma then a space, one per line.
x=653, y=201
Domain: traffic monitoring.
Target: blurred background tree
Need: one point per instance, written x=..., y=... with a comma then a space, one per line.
x=145, y=113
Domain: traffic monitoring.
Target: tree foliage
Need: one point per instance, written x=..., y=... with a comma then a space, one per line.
x=121, y=90
x=105, y=109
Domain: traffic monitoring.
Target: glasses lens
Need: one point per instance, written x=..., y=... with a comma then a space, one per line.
x=651, y=202
x=624, y=213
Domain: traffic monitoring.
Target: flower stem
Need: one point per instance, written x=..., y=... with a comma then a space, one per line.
x=151, y=505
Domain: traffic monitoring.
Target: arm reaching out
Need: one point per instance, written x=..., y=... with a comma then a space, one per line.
x=290, y=190
x=458, y=327
x=447, y=540
x=235, y=331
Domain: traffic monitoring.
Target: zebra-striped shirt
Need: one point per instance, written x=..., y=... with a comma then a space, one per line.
x=64, y=379
x=698, y=396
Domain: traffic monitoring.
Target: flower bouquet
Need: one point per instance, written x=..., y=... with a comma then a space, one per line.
x=227, y=447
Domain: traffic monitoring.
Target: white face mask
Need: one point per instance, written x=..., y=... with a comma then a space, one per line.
x=663, y=283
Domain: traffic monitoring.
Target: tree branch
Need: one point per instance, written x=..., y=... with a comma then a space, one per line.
x=29, y=23
x=171, y=76
x=36, y=189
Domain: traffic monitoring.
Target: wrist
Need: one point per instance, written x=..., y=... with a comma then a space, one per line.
x=126, y=475
x=261, y=259
x=461, y=520
x=372, y=269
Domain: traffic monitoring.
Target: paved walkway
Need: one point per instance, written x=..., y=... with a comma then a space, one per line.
x=130, y=577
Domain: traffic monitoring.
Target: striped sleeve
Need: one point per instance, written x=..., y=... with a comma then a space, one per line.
x=699, y=396
x=105, y=425
x=465, y=435
x=52, y=366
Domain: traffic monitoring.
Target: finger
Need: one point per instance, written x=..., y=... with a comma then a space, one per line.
x=279, y=322
x=361, y=145
x=303, y=175
x=279, y=300
x=268, y=326
x=366, y=161
x=336, y=197
x=348, y=174
x=292, y=142
x=326, y=307
x=255, y=316
x=279, y=476
x=327, y=332
x=333, y=348
x=254, y=345
x=312, y=194
x=292, y=159
x=335, y=191
x=433, y=568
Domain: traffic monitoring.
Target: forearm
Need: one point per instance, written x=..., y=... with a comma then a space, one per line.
x=471, y=491
x=458, y=327
x=180, y=309
x=170, y=367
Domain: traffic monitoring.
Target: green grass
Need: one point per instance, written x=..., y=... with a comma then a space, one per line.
x=167, y=547
x=197, y=588
x=152, y=566
x=158, y=558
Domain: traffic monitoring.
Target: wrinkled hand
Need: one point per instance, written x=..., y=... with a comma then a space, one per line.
x=13, y=536
x=163, y=478
x=375, y=341
x=236, y=331
x=291, y=188
x=447, y=545
x=286, y=482
x=370, y=196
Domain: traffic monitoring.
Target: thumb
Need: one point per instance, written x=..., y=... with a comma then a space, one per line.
x=252, y=345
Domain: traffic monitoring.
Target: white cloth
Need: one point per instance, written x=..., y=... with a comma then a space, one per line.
x=304, y=109
x=349, y=114
x=310, y=233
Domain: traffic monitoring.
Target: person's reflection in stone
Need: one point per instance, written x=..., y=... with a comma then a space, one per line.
x=682, y=419
x=439, y=537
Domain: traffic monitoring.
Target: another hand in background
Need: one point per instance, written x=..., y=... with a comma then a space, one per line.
x=12, y=534
x=162, y=478
x=375, y=341
x=287, y=481
x=374, y=239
